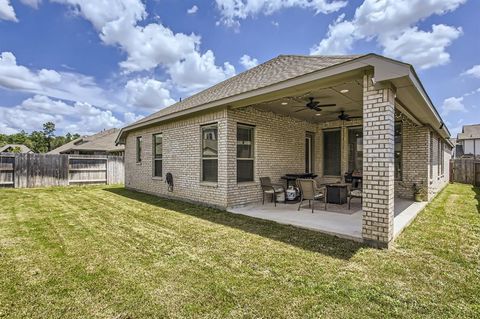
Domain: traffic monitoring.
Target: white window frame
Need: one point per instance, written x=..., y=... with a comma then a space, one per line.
x=252, y=158
x=138, y=149
x=156, y=159
x=202, y=127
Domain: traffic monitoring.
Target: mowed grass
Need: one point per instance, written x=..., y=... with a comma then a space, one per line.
x=106, y=252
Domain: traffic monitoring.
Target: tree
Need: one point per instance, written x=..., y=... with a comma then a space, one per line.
x=16, y=150
x=39, y=141
x=48, y=132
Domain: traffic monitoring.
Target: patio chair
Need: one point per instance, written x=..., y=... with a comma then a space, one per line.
x=269, y=188
x=354, y=193
x=310, y=192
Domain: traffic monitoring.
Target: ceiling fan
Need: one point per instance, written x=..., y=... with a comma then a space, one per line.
x=345, y=117
x=314, y=105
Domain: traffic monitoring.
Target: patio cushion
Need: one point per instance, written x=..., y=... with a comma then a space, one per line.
x=319, y=196
x=356, y=193
x=278, y=189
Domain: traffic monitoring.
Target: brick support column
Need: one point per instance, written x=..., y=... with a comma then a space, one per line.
x=378, y=162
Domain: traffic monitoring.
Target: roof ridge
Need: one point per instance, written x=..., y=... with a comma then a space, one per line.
x=337, y=56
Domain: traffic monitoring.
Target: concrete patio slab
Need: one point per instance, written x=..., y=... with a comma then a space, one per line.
x=339, y=221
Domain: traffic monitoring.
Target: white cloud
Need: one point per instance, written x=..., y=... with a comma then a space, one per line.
x=6, y=11
x=62, y=85
x=198, y=71
x=77, y=117
x=234, y=10
x=453, y=104
x=392, y=23
x=148, y=93
x=152, y=45
x=339, y=40
x=32, y=3
x=473, y=71
x=129, y=117
x=248, y=62
x=192, y=10
x=419, y=47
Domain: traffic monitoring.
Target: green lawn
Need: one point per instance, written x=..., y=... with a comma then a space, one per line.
x=106, y=252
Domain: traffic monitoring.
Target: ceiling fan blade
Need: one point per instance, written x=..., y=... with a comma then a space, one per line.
x=326, y=105
x=300, y=110
x=355, y=117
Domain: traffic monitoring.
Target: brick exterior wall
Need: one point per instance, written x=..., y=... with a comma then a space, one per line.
x=182, y=158
x=437, y=178
x=279, y=149
x=378, y=163
x=414, y=159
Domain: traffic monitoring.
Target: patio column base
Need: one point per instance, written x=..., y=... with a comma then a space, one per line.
x=378, y=244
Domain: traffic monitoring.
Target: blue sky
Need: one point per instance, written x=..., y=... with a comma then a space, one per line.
x=90, y=65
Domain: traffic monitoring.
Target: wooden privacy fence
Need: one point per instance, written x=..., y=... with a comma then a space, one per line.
x=465, y=170
x=41, y=170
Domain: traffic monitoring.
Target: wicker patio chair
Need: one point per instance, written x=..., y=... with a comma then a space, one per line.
x=269, y=188
x=310, y=192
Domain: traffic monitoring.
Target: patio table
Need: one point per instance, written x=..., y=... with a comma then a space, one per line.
x=337, y=193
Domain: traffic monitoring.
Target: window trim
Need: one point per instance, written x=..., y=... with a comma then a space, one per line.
x=311, y=160
x=348, y=130
x=154, y=156
x=249, y=126
x=400, y=123
x=202, y=158
x=339, y=129
x=138, y=149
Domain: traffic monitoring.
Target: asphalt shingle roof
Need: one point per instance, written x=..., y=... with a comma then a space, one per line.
x=23, y=148
x=469, y=132
x=279, y=69
x=102, y=141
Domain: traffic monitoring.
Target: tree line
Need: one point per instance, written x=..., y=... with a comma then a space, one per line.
x=39, y=141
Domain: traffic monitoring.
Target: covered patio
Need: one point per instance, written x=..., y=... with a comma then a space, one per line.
x=337, y=220
x=357, y=125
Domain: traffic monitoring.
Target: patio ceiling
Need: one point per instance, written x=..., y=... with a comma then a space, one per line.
x=346, y=95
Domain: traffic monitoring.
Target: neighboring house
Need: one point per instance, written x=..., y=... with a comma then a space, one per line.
x=102, y=143
x=468, y=142
x=217, y=143
x=15, y=148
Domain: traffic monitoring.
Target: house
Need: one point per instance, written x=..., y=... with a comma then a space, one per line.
x=326, y=115
x=468, y=141
x=15, y=148
x=102, y=143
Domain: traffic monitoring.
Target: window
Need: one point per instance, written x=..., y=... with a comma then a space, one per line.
x=309, y=152
x=157, y=155
x=138, y=147
x=210, y=153
x=439, y=158
x=331, y=152
x=398, y=152
x=355, y=149
x=245, y=153
x=442, y=157
x=431, y=155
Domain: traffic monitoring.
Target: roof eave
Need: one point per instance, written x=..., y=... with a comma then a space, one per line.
x=316, y=75
x=385, y=69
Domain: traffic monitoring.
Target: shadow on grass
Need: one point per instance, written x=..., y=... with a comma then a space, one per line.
x=298, y=237
x=477, y=197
